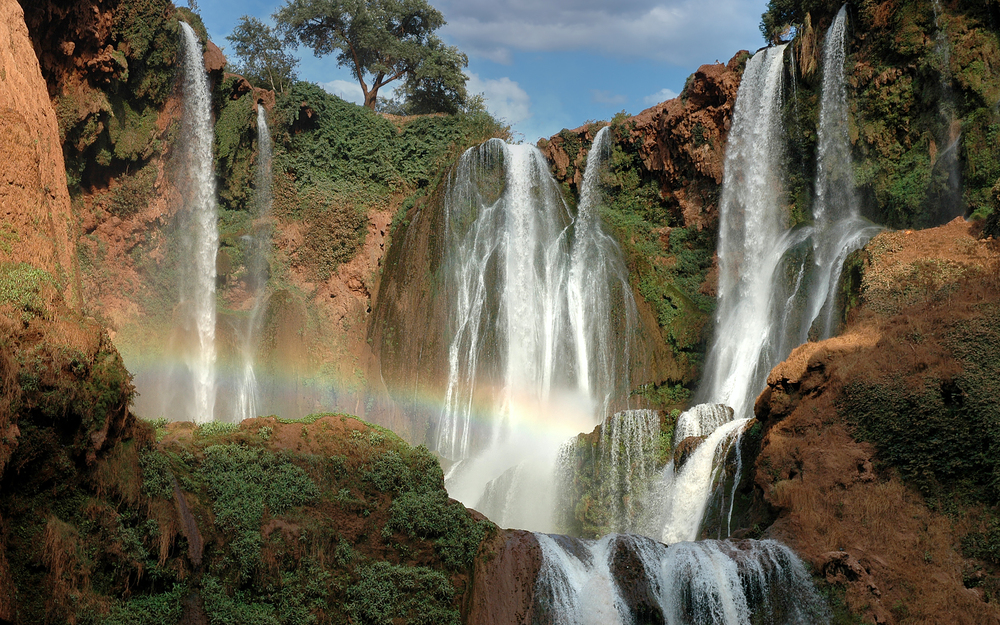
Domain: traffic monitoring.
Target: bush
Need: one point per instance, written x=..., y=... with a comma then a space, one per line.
x=390, y=593
x=243, y=481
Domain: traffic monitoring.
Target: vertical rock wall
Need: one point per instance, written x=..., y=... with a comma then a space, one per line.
x=35, y=213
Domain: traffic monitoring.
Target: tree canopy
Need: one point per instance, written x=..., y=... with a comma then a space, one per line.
x=262, y=56
x=382, y=41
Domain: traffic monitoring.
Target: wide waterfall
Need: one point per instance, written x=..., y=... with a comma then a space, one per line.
x=583, y=582
x=201, y=239
x=543, y=317
x=258, y=245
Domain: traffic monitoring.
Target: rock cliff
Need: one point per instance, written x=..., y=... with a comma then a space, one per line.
x=879, y=444
x=37, y=222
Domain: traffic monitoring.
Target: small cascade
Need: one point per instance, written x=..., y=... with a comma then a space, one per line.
x=753, y=238
x=257, y=250
x=685, y=491
x=543, y=319
x=838, y=228
x=629, y=445
x=632, y=579
x=201, y=234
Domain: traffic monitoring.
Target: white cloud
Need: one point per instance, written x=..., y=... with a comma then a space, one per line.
x=345, y=89
x=504, y=97
x=660, y=96
x=606, y=97
x=680, y=32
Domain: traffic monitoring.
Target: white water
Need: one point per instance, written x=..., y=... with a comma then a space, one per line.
x=543, y=316
x=686, y=492
x=708, y=582
x=201, y=231
x=258, y=247
x=838, y=228
x=629, y=445
x=753, y=238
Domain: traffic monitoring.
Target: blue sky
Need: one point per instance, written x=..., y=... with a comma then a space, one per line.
x=545, y=65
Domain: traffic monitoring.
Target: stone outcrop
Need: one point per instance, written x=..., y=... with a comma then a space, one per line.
x=848, y=506
x=503, y=581
x=681, y=141
x=35, y=213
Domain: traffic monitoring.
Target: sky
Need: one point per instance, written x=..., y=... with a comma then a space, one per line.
x=545, y=65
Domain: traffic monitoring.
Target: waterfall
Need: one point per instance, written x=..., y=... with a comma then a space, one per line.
x=753, y=237
x=258, y=247
x=629, y=445
x=838, y=229
x=543, y=316
x=632, y=579
x=685, y=491
x=947, y=157
x=201, y=233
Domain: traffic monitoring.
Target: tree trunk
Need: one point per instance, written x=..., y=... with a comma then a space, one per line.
x=371, y=98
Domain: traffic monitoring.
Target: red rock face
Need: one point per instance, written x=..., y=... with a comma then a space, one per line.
x=682, y=141
x=838, y=505
x=35, y=212
x=503, y=586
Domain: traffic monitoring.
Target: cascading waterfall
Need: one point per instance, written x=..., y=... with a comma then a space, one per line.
x=687, y=490
x=542, y=322
x=838, y=228
x=258, y=247
x=770, y=294
x=201, y=233
x=753, y=237
x=629, y=445
x=707, y=582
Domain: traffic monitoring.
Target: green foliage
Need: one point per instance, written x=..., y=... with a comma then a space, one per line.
x=382, y=41
x=22, y=286
x=243, y=481
x=157, y=477
x=165, y=607
x=235, y=146
x=148, y=34
x=263, y=59
x=134, y=192
x=389, y=593
x=957, y=417
x=431, y=515
x=668, y=261
x=132, y=132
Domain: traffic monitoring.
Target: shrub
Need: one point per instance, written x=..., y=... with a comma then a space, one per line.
x=390, y=593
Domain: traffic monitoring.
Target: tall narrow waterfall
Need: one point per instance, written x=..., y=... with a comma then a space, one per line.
x=946, y=164
x=753, y=237
x=543, y=317
x=708, y=582
x=201, y=233
x=838, y=229
x=258, y=247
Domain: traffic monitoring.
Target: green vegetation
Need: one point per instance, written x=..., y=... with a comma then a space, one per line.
x=22, y=287
x=668, y=261
x=263, y=59
x=957, y=417
x=906, y=106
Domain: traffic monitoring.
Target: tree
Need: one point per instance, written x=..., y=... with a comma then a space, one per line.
x=263, y=59
x=382, y=41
